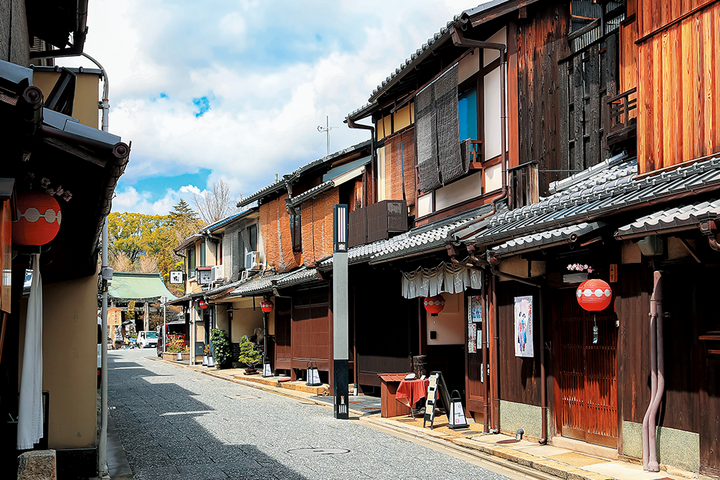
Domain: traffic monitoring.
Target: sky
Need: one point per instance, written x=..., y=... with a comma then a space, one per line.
x=235, y=90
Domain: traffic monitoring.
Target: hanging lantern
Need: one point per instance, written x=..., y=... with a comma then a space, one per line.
x=434, y=305
x=266, y=306
x=203, y=304
x=594, y=295
x=38, y=218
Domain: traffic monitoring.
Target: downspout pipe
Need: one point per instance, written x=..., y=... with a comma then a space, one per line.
x=541, y=317
x=352, y=124
x=650, y=462
x=460, y=41
x=106, y=272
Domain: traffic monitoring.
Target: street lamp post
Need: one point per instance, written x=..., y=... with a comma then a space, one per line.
x=340, y=310
x=163, y=299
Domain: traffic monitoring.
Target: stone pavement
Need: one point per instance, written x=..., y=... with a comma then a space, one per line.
x=176, y=423
x=553, y=460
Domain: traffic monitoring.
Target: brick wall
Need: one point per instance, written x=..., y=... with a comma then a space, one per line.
x=394, y=167
x=317, y=226
x=275, y=229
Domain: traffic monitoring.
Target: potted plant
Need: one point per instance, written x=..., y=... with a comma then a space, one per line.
x=249, y=356
x=221, y=345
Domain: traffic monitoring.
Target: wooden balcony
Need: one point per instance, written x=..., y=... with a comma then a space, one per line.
x=377, y=222
x=620, y=123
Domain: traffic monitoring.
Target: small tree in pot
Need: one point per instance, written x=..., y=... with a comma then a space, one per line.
x=221, y=346
x=248, y=355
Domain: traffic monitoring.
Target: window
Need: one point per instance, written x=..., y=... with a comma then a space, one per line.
x=252, y=238
x=191, y=261
x=202, y=254
x=296, y=231
x=467, y=114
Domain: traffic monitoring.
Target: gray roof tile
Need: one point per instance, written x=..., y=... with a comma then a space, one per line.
x=614, y=188
x=687, y=215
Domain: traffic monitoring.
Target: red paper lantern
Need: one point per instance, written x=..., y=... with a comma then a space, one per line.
x=434, y=305
x=594, y=295
x=203, y=304
x=266, y=306
x=38, y=218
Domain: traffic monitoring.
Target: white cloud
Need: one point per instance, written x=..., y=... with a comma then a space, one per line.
x=272, y=71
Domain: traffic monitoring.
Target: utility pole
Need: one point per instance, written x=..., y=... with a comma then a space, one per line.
x=326, y=129
x=340, y=310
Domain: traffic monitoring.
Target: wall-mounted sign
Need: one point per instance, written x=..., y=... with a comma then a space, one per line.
x=524, y=327
x=176, y=277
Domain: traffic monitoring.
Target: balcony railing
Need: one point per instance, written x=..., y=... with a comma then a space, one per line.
x=377, y=222
x=620, y=125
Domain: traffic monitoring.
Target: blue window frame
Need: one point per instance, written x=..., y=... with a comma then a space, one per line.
x=467, y=114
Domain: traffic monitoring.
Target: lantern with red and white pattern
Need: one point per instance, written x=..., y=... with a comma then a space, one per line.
x=594, y=295
x=38, y=218
x=434, y=305
x=266, y=306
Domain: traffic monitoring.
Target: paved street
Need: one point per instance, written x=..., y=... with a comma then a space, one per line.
x=179, y=424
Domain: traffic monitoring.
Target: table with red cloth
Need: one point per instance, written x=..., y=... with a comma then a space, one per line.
x=412, y=391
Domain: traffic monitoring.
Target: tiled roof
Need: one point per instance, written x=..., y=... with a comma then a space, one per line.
x=545, y=239
x=265, y=283
x=588, y=200
x=290, y=178
x=672, y=218
x=419, y=240
x=310, y=193
x=601, y=173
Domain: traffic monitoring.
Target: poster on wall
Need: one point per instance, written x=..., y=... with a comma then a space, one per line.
x=474, y=309
x=472, y=334
x=524, y=327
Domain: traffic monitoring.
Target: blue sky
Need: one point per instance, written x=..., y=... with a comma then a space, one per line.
x=236, y=89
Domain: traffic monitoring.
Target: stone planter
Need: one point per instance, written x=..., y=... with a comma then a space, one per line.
x=174, y=357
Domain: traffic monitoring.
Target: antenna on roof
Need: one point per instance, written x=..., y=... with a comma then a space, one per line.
x=326, y=129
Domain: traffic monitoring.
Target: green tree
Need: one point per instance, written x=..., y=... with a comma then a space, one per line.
x=248, y=355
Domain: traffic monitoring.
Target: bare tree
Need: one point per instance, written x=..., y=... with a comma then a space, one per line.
x=215, y=204
x=121, y=263
x=148, y=264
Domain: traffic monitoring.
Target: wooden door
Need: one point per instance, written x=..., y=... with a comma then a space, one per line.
x=586, y=381
x=311, y=334
x=283, y=333
x=476, y=371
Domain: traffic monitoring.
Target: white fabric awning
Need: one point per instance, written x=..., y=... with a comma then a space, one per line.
x=445, y=278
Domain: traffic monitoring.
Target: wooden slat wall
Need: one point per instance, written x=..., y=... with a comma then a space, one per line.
x=519, y=377
x=541, y=42
x=628, y=52
x=679, y=85
x=654, y=14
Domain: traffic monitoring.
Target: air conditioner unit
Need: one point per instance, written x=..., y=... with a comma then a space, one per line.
x=252, y=260
x=217, y=273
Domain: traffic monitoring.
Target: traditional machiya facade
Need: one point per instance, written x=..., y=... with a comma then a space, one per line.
x=217, y=259
x=590, y=182
x=48, y=131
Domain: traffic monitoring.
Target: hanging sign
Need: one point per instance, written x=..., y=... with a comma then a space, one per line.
x=176, y=277
x=131, y=306
x=456, y=415
x=524, y=327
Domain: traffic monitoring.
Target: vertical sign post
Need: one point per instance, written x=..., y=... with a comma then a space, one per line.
x=340, y=309
x=163, y=300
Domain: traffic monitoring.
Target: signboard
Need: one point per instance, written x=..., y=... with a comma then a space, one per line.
x=131, y=306
x=456, y=415
x=524, y=327
x=176, y=277
x=436, y=390
x=475, y=314
x=204, y=277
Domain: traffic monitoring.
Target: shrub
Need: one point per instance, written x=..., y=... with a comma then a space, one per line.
x=221, y=346
x=248, y=355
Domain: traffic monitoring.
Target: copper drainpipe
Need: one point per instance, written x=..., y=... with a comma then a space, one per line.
x=460, y=41
x=352, y=124
x=657, y=376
